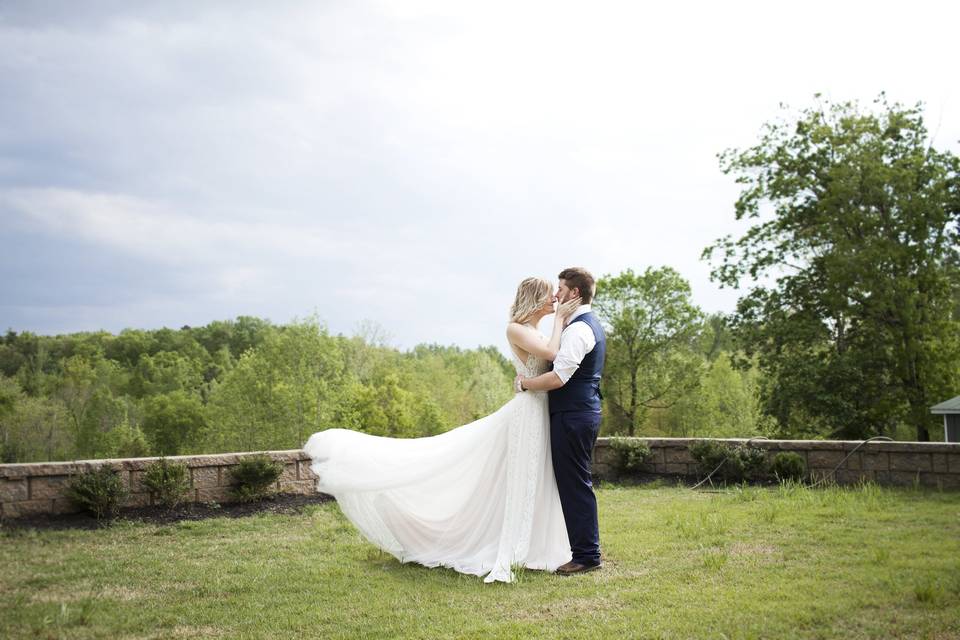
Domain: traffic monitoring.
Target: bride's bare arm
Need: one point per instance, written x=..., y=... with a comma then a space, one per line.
x=531, y=341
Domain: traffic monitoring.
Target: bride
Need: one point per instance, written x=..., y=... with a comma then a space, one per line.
x=480, y=499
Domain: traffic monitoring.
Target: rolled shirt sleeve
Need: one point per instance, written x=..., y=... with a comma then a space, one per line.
x=576, y=341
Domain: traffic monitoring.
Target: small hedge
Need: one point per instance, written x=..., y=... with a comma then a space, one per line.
x=168, y=481
x=739, y=463
x=788, y=465
x=630, y=454
x=252, y=478
x=98, y=490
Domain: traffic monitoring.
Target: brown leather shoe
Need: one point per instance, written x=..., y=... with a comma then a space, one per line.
x=575, y=567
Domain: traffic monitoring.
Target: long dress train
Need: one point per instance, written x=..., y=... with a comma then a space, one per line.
x=480, y=499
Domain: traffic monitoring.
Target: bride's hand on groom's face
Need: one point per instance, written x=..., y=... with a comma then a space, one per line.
x=566, y=309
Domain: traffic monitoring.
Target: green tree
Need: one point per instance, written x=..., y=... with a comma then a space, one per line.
x=127, y=347
x=10, y=357
x=464, y=384
x=279, y=392
x=384, y=408
x=10, y=396
x=715, y=338
x=164, y=372
x=246, y=332
x=86, y=389
x=849, y=261
x=36, y=372
x=651, y=359
x=76, y=390
x=107, y=413
x=172, y=423
x=32, y=429
x=126, y=441
x=726, y=404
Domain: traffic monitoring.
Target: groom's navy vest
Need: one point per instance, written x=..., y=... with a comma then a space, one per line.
x=582, y=391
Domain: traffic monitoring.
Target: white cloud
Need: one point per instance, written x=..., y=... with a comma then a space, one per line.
x=160, y=233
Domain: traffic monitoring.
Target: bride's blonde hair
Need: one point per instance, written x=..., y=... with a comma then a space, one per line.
x=531, y=294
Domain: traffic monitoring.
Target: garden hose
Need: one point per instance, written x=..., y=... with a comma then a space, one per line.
x=808, y=486
x=717, y=468
x=852, y=451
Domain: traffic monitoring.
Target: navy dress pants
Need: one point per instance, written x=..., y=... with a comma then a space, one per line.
x=572, y=437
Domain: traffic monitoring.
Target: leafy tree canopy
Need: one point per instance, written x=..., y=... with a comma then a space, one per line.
x=850, y=266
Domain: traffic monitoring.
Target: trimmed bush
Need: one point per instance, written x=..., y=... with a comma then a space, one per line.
x=252, y=478
x=708, y=454
x=740, y=463
x=167, y=481
x=98, y=490
x=630, y=454
x=788, y=465
x=753, y=460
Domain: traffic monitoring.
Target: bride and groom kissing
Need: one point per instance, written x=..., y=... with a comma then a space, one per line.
x=512, y=489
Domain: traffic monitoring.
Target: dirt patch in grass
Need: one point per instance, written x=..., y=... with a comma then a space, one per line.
x=80, y=592
x=752, y=549
x=277, y=503
x=575, y=608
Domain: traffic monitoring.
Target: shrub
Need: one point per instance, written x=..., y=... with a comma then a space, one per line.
x=630, y=454
x=743, y=462
x=167, y=481
x=98, y=490
x=753, y=460
x=709, y=454
x=788, y=465
x=252, y=477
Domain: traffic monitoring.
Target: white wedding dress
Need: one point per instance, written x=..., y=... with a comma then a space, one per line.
x=480, y=499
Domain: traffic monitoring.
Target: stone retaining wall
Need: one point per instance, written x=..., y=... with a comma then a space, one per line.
x=930, y=464
x=33, y=488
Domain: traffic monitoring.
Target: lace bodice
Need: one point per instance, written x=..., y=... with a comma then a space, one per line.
x=534, y=366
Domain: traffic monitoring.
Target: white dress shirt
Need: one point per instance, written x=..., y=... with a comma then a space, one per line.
x=576, y=341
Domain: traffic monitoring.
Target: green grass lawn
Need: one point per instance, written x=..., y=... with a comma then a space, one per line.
x=741, y=563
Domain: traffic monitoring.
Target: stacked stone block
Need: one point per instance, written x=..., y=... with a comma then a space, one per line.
x=34, y=488
x=928, y=464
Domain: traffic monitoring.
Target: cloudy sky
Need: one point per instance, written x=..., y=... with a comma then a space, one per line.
x=401, y=163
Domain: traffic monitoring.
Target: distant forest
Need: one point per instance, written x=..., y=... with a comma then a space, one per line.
x=238, y=385
x=247, y=384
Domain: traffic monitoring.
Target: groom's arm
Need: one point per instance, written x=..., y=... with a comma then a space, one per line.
x=545, y=382
x=577, y=341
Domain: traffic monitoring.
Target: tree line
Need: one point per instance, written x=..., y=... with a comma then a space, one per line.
x=236, y=385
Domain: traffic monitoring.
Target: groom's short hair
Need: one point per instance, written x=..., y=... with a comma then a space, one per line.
x=580, y=278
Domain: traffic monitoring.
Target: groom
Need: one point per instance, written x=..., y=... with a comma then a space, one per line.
x=574, y=386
